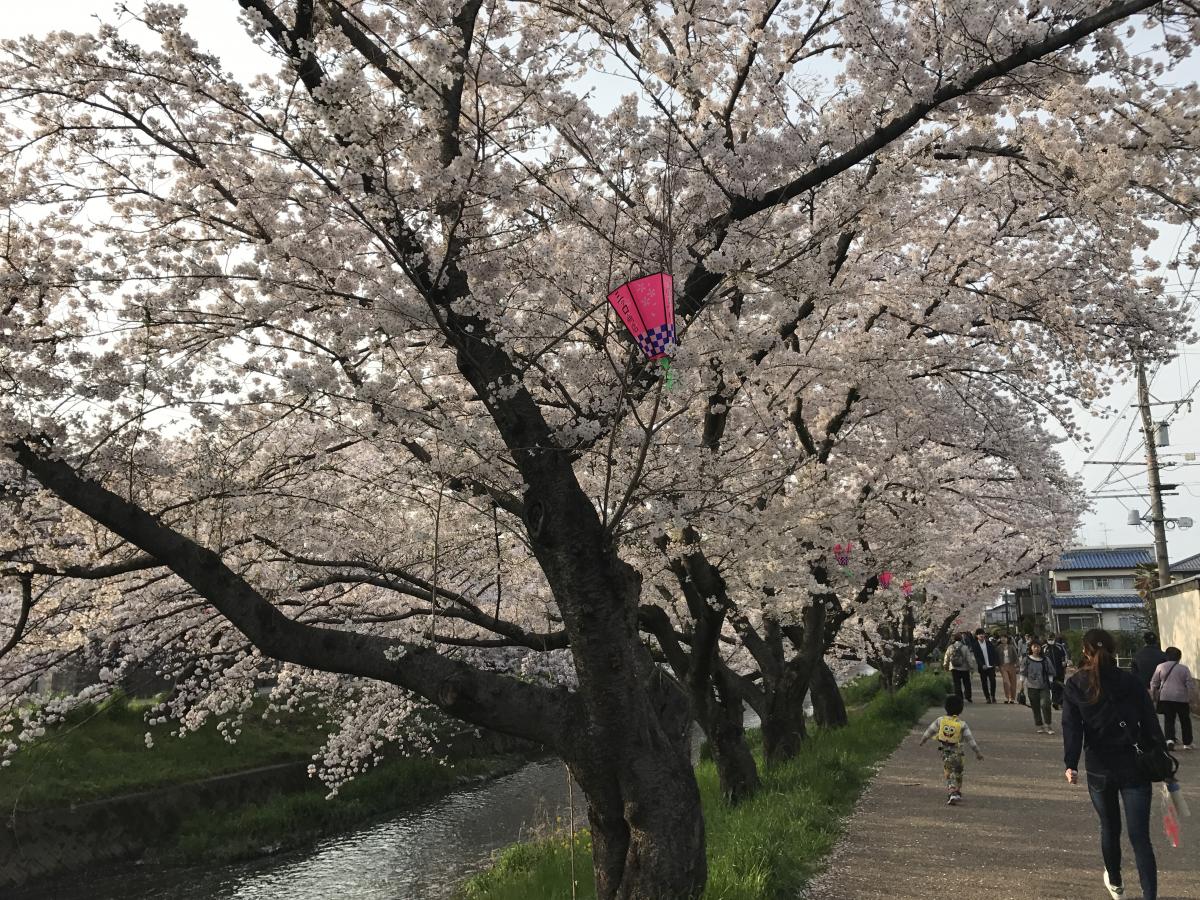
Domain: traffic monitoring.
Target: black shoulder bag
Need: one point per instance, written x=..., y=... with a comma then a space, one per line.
x=1153, y=760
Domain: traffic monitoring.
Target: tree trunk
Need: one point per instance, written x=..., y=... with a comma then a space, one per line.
x=630, y=755
x=829, y=709
x=783, y=727
x=736, y=770
x=780, y=701
x=645, y=817
x=715, y=699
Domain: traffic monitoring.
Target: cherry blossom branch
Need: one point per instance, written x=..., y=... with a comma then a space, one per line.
x=493, y=701
x=746, y=207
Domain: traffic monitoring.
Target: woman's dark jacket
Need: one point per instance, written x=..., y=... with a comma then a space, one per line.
x=1095, y=729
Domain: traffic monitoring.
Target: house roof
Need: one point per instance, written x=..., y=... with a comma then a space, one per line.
x=1096, y=601
x=1106, y=558
x=1190, y=564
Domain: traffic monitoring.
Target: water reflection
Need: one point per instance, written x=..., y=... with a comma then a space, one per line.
x=421, y=854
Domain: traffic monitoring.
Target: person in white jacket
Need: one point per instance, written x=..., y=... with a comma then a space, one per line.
x=1171, y=687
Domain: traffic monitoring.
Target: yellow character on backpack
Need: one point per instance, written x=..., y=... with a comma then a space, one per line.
x=950, y=729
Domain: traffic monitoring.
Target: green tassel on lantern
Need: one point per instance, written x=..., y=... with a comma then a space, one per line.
x=668, y=374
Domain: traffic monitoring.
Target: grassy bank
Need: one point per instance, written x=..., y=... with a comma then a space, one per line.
x=284, y=821
x=764, y=849
x=100, y=751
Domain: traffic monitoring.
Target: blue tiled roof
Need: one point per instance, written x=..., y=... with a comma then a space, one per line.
x=1118, y=558
x=1096, y=601
x=1191, y=564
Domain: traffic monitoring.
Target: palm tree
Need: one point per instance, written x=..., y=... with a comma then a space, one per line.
x=1145, y=580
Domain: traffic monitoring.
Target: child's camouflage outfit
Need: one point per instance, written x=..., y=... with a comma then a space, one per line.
x=952, y=766
x=951, y=732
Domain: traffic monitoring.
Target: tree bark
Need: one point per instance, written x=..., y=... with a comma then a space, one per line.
x=829, y=709
x=783, y=727
x=726, y=733
x=779, y=701
x=715, y=699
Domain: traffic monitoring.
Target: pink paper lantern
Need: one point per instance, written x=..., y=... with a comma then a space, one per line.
x=647, y=307
x=906, y=588
x=885, y=580
x=842, y=554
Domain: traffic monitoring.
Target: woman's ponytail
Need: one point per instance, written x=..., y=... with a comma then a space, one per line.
x=1099, y=651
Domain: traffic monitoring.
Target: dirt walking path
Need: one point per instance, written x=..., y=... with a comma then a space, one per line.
x=1021, y=831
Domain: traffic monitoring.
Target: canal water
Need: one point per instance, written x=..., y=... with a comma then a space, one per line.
x=424, y=853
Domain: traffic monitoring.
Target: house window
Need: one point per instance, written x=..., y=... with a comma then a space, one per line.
x=1103, y=584
x=1128, y=623
x=1079, y=622
x=1062, y=587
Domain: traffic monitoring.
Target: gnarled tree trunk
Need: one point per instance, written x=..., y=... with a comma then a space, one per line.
x=829, y=709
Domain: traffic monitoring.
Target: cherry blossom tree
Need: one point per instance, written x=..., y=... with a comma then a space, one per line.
x=313, y=375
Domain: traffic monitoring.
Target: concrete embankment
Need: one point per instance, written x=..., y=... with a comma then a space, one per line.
x=43, y=843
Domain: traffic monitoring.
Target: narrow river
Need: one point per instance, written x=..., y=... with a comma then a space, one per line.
x=424, y=853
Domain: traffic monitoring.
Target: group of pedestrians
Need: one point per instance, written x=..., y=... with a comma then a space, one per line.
x=1032, y=671
x=1109, y=718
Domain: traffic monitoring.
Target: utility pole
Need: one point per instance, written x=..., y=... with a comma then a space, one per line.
x=1157, y=520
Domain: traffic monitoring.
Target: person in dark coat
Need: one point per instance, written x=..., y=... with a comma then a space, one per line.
x=1147, y=660
x=1105, y=711
x=987, y=659
x=1056, y=652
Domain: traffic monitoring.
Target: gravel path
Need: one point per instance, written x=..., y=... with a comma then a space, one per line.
x=1021, y=831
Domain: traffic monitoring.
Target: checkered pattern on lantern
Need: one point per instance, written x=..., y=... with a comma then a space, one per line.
x=658, y=340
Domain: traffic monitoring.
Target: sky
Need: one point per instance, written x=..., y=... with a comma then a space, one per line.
x=1112, y=433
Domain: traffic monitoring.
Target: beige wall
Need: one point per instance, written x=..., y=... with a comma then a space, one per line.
x=1178, y=607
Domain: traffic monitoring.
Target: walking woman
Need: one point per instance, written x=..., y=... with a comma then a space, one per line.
x=1097, y=701
x=1038, y=675
x=1009, y=657
x=1171, y=685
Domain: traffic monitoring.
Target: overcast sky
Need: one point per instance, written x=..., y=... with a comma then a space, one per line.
x=1115, y=436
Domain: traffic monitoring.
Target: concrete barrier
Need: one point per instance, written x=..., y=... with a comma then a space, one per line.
x=45, y=843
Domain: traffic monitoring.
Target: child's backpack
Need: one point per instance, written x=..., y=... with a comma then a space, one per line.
x=950, y=729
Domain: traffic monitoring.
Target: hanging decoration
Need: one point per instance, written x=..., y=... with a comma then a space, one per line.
x=647, y=307
x=885, y=580
x=842, y=554
x=906, y=588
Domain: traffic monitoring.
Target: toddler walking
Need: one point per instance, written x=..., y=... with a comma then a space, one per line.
x=951, y=731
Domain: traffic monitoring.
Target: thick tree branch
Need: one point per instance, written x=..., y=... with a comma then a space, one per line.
x=26, y=581
x=492, y=701
x=746, y=207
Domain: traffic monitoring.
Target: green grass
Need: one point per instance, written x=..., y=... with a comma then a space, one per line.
x=288, y=820
x=766, y=848
x=862, y=690
x=101, y=752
